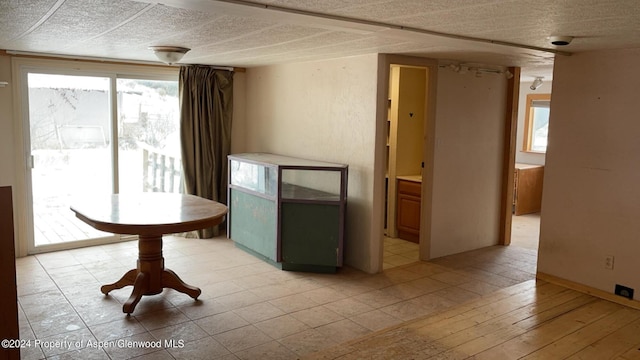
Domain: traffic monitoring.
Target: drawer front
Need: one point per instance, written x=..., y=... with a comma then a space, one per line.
x=409, y=187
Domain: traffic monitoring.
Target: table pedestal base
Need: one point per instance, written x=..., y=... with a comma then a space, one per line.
x=150, y=277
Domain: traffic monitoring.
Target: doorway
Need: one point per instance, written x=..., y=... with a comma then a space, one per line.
x=90, y=134
x=530, y=153
x=406, y=123
x=525, y=231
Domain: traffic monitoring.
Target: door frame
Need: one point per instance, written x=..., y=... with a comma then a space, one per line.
x=393, y=143
x=384, y=65
x=509, y=155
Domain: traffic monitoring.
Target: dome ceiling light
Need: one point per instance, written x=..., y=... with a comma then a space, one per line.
x=169, y=54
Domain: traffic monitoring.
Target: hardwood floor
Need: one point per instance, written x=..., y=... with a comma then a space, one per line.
x=531, y=320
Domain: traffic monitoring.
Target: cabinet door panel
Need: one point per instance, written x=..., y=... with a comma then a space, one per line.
x=528, y=190
x=310, y=234
x=409, y=213
x=253, y=223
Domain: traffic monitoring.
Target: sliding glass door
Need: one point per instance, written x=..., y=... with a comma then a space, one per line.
x=92, y=135
x=70, y=138
x=148, y=136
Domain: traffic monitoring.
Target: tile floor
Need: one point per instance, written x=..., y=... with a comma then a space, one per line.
x=525, y=232
x=398, y=252
x=248, y=309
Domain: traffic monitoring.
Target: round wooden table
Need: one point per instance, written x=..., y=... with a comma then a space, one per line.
x=150, y=215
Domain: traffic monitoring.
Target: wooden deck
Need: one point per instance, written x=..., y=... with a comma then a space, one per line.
x=54, y=223
x=531, y=320
x=59, y=226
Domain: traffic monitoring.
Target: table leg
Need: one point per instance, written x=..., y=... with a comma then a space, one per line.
x=150, y=277
x=127, y=279
x=172, y=280
x=139, y=289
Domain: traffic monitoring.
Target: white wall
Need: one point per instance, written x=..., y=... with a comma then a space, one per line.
x=322, y=111
x=591, y=195
x=522, y=156
x=468, y=155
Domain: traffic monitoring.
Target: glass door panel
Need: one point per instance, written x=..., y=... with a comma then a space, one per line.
x=148, y=136
x=70, y=139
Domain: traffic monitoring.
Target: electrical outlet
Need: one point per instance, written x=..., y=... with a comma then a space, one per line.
x=608, y=262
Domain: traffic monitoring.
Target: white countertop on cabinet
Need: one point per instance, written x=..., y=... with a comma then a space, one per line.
x=414, y=178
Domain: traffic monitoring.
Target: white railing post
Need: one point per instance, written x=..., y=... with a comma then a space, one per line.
x=161, y=166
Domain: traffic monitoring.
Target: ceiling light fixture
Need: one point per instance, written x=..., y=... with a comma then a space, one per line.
x=536, y=83
x=169, y=54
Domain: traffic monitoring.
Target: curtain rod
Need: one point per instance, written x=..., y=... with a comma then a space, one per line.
x=108, y=60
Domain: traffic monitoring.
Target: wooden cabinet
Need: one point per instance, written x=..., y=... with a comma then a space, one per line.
x=527, y=189
x=408, y=210
x=9, y=298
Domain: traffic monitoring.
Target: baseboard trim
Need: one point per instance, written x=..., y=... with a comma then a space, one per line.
x=588, y=290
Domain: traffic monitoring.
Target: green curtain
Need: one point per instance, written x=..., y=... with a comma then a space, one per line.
x=206, y=107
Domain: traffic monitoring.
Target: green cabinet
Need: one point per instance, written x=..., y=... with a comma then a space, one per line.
x=288, y=211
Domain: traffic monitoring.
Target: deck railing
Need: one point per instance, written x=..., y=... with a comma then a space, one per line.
x=161, y=172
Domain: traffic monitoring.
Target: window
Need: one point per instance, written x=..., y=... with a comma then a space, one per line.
x=536, y=123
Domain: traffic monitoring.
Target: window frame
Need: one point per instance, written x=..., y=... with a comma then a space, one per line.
x=528, y=122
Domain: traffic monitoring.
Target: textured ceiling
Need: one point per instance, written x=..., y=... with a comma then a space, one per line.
x=244, y=33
